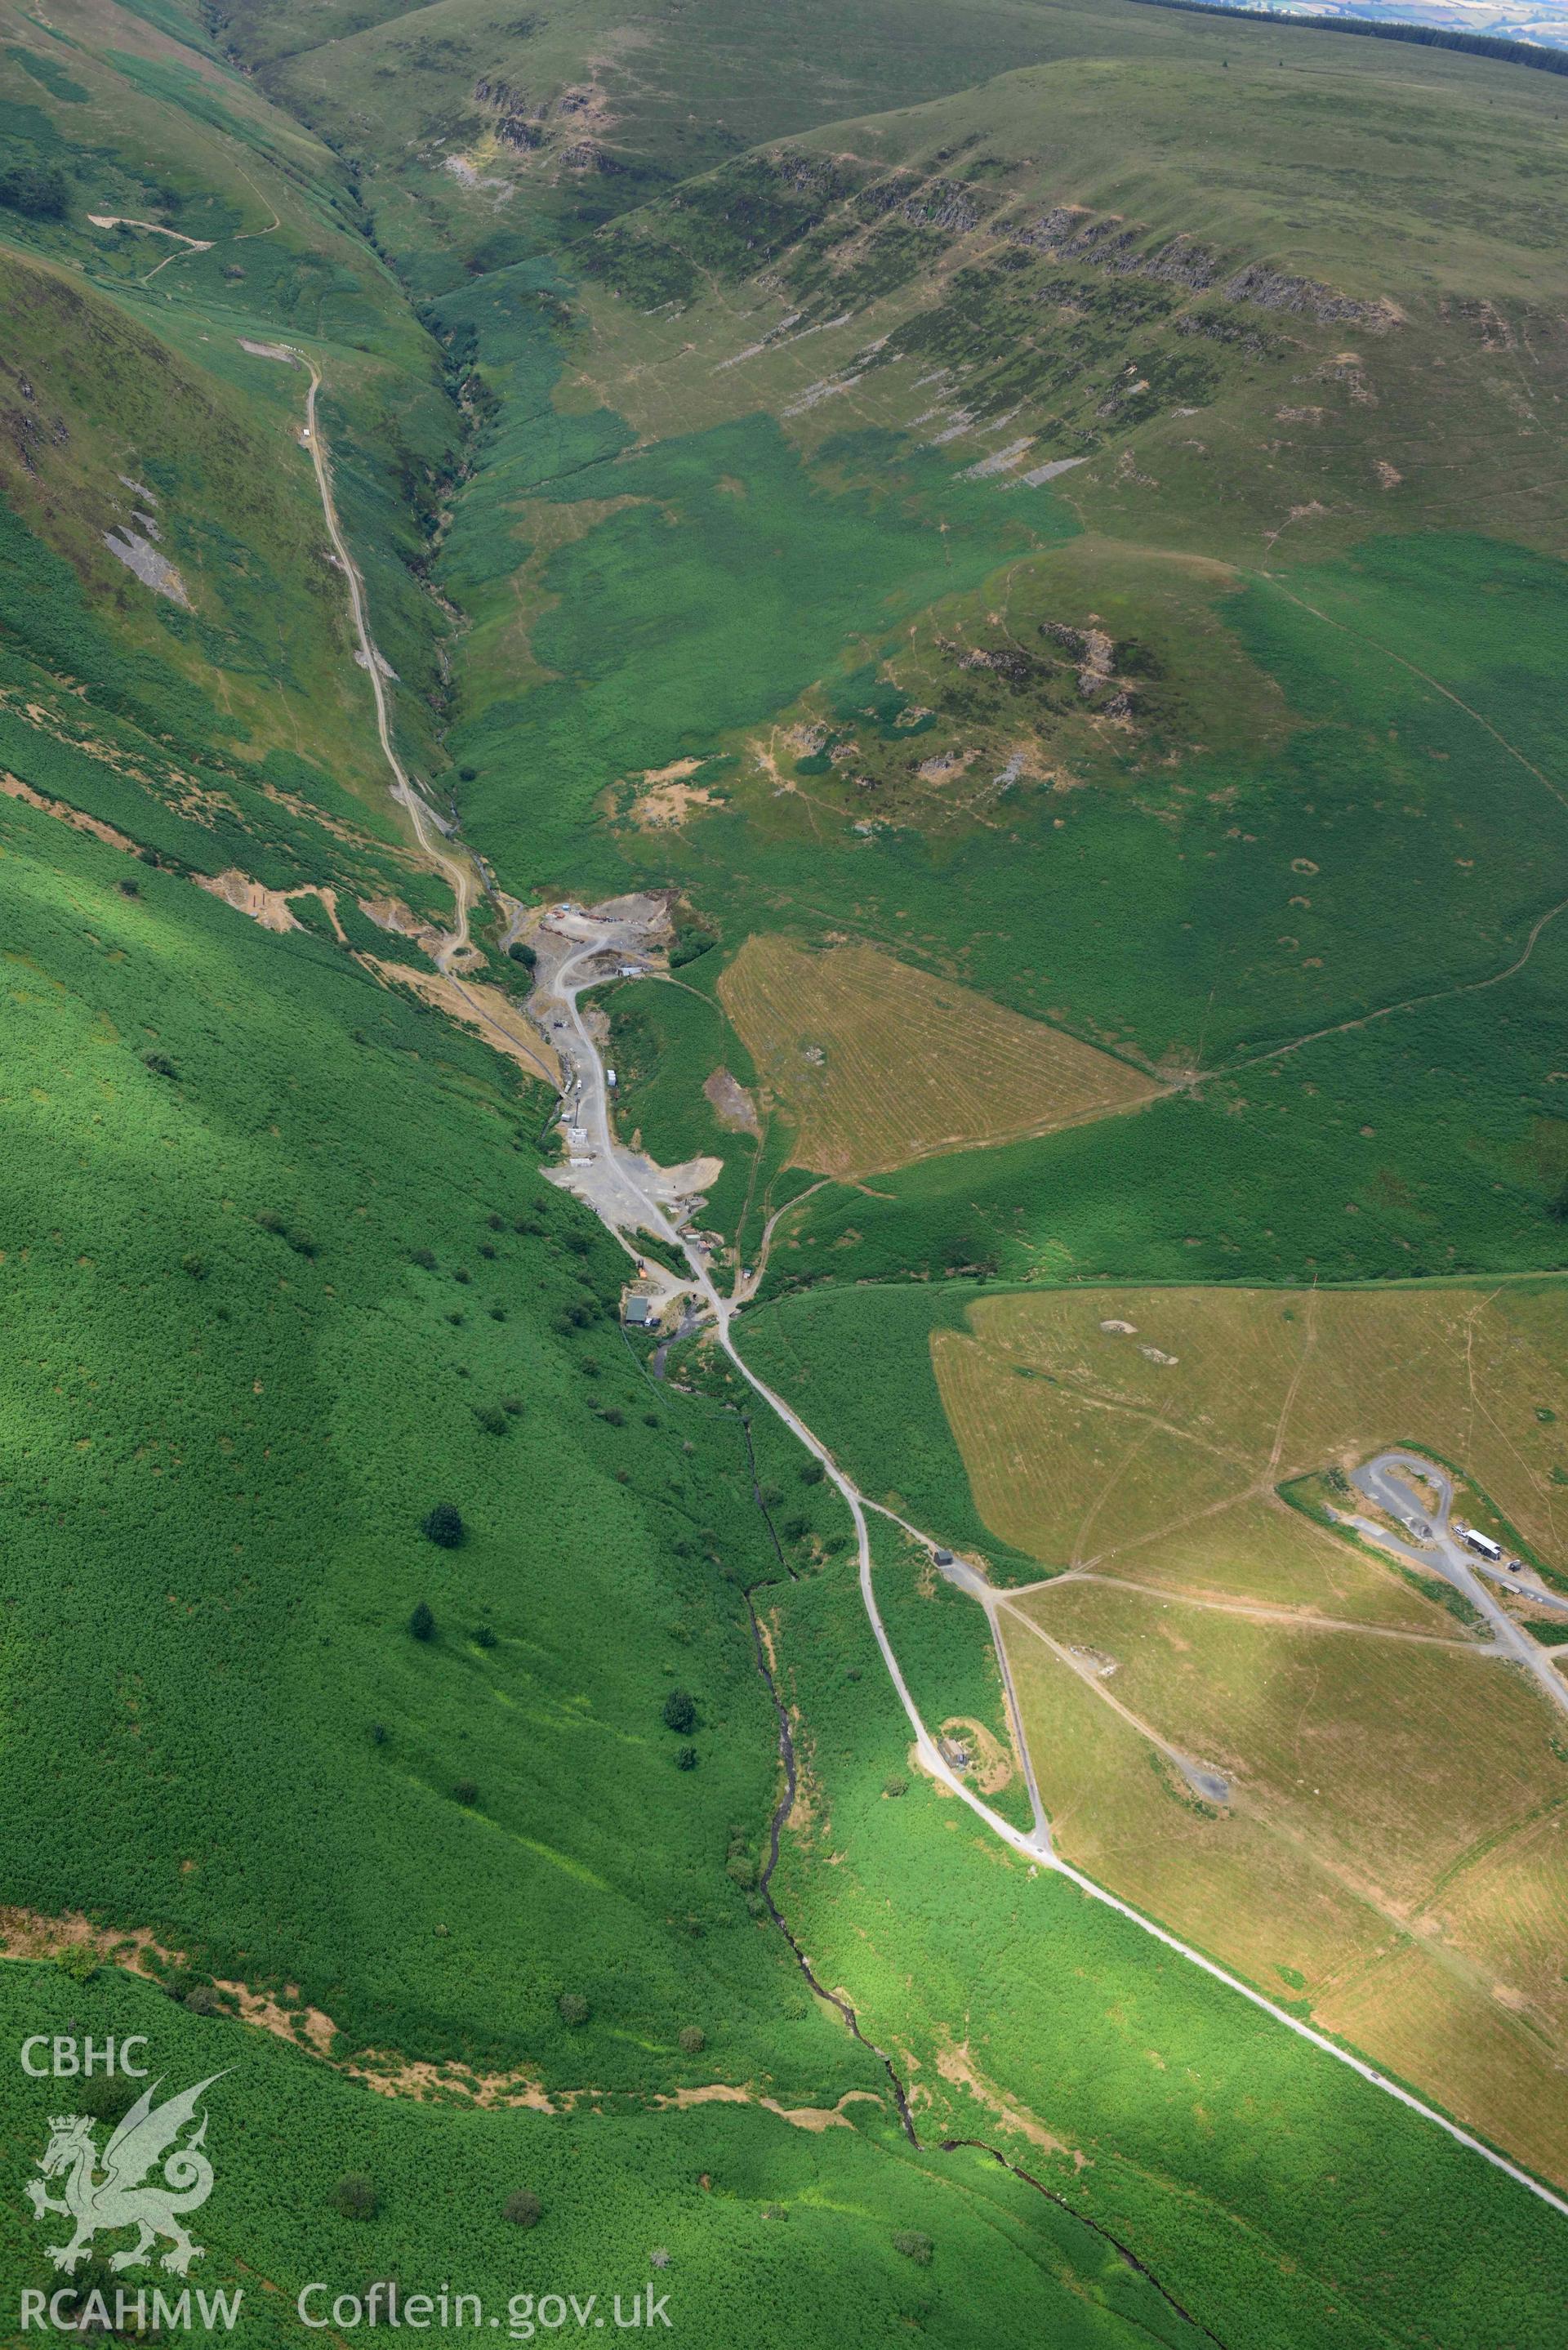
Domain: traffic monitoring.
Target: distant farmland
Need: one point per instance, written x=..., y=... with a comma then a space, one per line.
x=1390, y=1854
x=1093, y=1423
x=881, y=1063
x=1380, y=1837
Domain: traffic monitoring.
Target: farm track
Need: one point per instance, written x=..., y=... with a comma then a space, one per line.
x=465, y=889
x=628, y=1207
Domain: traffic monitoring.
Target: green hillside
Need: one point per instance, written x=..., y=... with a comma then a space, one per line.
x=1064, y=495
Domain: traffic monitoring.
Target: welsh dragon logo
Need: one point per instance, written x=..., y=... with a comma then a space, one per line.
x=118, y=2198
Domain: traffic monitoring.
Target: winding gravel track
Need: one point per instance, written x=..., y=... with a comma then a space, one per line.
x=1034, y=1846
x=426, y=824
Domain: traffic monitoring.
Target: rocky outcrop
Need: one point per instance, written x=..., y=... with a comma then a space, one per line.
x=1071, y=235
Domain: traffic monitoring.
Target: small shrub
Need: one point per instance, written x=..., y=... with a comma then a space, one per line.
x=614, y=1415
x=203, y=2001
x=79, y=1961
x=303, y=1243
x=512, y=1405
x=496, y=1224
x=692, y=2040
x=355, y=2197
x=107, y=2101
x=484, y=1636
x=897, y=1785
x=573, y=2009
x=796, y=1528
x=679, y=1711
x=423, y=1622
x=522, y=2208
x=521, y=952
x=689, y=943
x=423, y=1256
x=194, y=1267
x=461, y=1272
x=914, y=2246
x=128, y=889
x=270, y=1221
x=160, y=1064
x=444, y=1526
x=378, y=1733
x=498, y=1312
x=468, y=774
x=465, y=1791
x=581, y=1243
x=742, y=1870
x=37, y=191
x=686, y=1758
x=491, y=1418
x=811, y=1472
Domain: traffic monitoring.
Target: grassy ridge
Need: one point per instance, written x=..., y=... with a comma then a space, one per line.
x=808, y=2218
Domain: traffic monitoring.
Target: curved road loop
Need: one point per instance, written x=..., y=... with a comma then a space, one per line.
x=620, y=1188
x=1437, y=1549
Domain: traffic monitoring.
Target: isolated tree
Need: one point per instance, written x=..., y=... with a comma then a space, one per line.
x=914, y=2246
x=574, y=2008
x=679, y=1711
x=355, y=2197
x=465, y=1791
x=692, y=2040
x=445, y=1525
x=522, y=2208
x=422, y=1623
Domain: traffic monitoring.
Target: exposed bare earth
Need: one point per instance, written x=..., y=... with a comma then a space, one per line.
x=487, y=1010
x=28, y=1934
x=16, y=789
x=733, y=1104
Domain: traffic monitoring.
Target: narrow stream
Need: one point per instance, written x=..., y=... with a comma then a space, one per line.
x=781, y=1812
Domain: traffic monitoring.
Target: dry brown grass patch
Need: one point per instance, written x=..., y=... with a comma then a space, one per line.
x=882, y=1064
x=1099, y=1426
